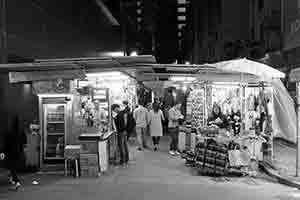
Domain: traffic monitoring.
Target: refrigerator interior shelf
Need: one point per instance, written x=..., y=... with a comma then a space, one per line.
x=56, y=122
x=59, y=113
x=56, y=134
x=54, y=158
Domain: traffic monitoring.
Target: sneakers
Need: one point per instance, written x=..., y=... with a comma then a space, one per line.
x=125, y=165
x=172, y=153
x=155, y=148
x=16, y=186
x=11, y=181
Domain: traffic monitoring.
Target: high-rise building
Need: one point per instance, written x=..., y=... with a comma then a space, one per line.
x=232, y=28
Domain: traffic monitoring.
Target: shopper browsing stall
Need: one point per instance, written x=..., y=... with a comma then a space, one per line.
x=130, y=120
x=217, y=118
x=120, y=125
x=174, y=117
x=155, y=124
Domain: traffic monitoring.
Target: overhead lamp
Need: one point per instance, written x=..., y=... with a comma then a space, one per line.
x=104, y=74
x=182, y=78
x=107, y=76
x=134, y=53
x=114, y=54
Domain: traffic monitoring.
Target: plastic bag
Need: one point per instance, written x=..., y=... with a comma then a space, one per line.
x=238, y=158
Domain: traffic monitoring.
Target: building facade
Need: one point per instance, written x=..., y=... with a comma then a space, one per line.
x=41, y=29
x=226, y=30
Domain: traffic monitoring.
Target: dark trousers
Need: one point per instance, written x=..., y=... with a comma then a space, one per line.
x=156, y=140
x=174, y=138
x=123, y=148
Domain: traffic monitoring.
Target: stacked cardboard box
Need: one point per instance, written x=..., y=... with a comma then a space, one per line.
x=89, y=159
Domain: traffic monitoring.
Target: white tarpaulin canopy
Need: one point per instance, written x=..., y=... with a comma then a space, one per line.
x=284, y=111
x=264, y=72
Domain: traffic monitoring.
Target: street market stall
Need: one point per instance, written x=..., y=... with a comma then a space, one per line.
x=244, y=90
x=98, y=92
x=63, y=88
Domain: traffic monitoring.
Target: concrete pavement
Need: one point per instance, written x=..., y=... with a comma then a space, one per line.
x=150, y=176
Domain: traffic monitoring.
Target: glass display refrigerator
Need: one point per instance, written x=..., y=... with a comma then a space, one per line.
x=101, y=99
x=55, y=113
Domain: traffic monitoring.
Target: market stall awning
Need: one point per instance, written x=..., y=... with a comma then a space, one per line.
x=241, y=70
x=295, y=75
x=70, y=68
x=263, y=71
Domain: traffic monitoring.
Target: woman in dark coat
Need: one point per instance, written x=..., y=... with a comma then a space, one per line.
x=14, y=147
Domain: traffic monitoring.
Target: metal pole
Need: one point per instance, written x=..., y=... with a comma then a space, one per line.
x=297, y=128
x=3, y=33
x=195, y=14
x=282, y=7
x=123, y=27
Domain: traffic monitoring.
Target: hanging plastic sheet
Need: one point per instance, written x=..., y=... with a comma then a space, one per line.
x=284, y=111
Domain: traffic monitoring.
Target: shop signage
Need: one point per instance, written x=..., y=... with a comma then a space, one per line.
x=59, y=86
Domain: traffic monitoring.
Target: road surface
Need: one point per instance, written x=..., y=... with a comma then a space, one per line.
x=150, y=176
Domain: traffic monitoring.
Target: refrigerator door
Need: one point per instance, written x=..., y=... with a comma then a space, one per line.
x=54, y=131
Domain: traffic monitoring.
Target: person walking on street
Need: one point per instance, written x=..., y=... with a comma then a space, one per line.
x=156, y=118
x=140, y=115
x=174, y=117
x=120, y=125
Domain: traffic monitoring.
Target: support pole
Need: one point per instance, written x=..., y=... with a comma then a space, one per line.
x=196, y=39
x=3, y=33
x=123, y=28
x=297, y=128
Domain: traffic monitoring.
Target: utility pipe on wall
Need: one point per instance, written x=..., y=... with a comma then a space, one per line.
x=107, y=13
x=3, y=33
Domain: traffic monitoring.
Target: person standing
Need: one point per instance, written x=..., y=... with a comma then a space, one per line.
x=173, y=125
x=120, y=125
x=156, y=118
x=89, y=109
x=14, y=146
x=130, y=121
x=140, y=115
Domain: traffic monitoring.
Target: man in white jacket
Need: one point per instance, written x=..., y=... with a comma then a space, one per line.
x=140, y=116
x=174, y=117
